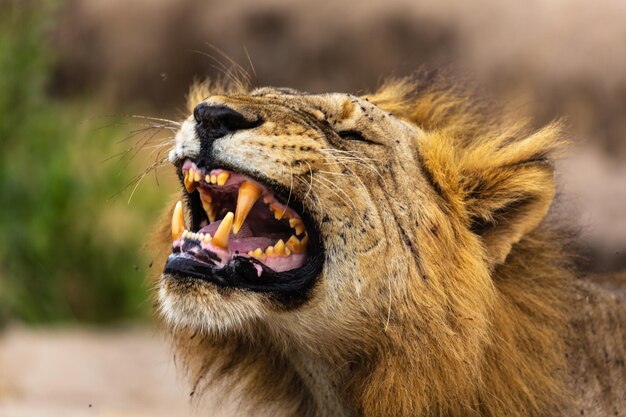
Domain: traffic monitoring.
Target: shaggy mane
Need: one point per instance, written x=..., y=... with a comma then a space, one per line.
x=515, y=369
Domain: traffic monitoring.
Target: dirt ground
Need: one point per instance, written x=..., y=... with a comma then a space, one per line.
x=82, y=372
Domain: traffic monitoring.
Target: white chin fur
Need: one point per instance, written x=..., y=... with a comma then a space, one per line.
x=211, y=314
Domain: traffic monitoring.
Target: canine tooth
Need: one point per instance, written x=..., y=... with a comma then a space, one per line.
x=220, y=239
x=248, y=194
x=190, y=185
x=222, y=178
x=279, y=247
x=213, y=179
x=178, y=221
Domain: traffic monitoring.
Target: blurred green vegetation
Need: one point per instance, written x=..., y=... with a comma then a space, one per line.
x=68, y=251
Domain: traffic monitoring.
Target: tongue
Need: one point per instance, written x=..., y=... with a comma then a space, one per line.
x=244, y=241
x=244, y=232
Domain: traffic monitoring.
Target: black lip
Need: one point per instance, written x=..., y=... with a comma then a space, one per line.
x=289, y=287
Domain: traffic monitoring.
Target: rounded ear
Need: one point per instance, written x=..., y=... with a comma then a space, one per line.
x=508, y=202
x=501, y=182
x=507, y=186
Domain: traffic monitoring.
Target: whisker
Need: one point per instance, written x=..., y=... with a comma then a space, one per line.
x=139, y=176
x=336, y=188
x=250, y=61
x=158, y=119
x=290, y=189
x=311, y=176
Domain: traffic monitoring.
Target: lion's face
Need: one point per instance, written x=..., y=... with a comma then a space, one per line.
x=290, y=210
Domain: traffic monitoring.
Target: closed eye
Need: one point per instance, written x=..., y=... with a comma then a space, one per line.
x=355, y=135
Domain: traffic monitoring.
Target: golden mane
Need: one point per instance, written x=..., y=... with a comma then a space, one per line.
x=481, y=314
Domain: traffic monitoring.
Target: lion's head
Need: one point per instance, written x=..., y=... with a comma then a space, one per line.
x=368, y=232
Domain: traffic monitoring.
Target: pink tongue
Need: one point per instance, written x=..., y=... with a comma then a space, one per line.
x=212, y=228
x=244, y=241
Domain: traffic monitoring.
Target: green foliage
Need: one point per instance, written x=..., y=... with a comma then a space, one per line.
x=67, y=250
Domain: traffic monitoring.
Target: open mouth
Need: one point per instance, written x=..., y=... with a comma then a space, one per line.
x=241, y=234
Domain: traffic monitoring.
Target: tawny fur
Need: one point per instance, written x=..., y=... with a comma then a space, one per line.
x=442, y=295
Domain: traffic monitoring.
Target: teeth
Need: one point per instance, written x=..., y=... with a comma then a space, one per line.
x=278, y=212
x=269, y=251
x=257, y=253
x=178, y=221
x=279, y=247
x=196, y=176
x=207, y=205
x=222, y=178
x=213, y=179
x=190, y=185
x=294, y=244
x=249, y=193
x=207, y=178
x=220, y=239
x=298, y=225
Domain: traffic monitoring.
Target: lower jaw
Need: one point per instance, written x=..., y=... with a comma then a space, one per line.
x=290, y=288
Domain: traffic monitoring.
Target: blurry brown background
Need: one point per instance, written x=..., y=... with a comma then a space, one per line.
x=546, y=59
x=558, y=58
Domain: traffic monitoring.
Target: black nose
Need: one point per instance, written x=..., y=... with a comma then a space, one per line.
x=213, y=122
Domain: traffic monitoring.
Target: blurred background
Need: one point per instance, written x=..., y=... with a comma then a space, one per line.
x=76, y=75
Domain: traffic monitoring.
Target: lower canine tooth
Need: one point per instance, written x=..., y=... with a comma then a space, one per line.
x=248, y=194
x=220, y=239
x=178, y=221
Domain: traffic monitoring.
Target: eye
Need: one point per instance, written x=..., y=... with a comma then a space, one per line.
x=353, y=135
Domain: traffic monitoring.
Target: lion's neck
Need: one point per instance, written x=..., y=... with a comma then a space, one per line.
x=316, y=376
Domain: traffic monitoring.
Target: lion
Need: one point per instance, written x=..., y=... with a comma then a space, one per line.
x=379, y=255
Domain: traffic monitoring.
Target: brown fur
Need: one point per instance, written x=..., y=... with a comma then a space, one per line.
x=440, y=296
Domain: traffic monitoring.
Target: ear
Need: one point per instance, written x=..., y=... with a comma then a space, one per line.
x=507, y=187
